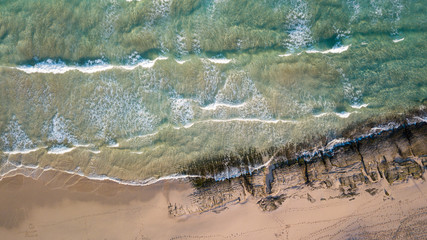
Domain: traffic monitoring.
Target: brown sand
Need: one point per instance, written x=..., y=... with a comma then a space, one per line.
x=63, y=206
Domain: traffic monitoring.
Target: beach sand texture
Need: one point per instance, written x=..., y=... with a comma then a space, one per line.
x=63, y=206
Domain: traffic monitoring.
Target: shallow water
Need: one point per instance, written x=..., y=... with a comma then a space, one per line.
x=142, y=89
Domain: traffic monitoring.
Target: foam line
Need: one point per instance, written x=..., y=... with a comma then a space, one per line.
x=22, y=170
x=332, y=50
x=357, y=106
x=341, y=114
x=25, y=151
x=60, y=150
x=214, y=106
x=49, y=66
x=219, y=60
x=398, y=40
x=238, y=120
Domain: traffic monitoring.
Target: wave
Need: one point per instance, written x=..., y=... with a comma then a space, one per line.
x=54, y=150
x=219, y=60
x=214, y=106
x=59, y=67
x=340, y=114
x=95, y=151
x=25, y=151
x=35, y=171
x=181, y=61
x=332, y=50
x=398, y=40
x=286, y=55
x=114, y=145
x=60, y=150
x=359, y=106
x=328, y=149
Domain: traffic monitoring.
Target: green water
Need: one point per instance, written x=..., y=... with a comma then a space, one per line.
x=229, y=75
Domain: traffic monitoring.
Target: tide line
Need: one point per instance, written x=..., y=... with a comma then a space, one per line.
x=25, y=151
x=23, y=170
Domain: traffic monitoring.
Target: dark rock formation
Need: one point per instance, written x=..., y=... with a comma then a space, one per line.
x=393, y=155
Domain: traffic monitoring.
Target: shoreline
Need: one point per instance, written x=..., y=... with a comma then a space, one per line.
x=255, y=160
x=372, y=188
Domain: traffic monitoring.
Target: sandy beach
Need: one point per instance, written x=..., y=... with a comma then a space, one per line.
x=63, y=206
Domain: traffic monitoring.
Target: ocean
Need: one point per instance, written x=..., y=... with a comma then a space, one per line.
x=139, y=90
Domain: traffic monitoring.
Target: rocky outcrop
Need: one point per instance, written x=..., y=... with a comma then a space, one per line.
x=393, y=155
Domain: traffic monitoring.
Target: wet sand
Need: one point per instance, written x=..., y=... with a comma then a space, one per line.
x=63, y=206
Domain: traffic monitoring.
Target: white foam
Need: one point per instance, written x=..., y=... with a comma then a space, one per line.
x=14, y=137
x=139, y=153
x=422, y=119
x=398, y=40
x=25, y=151
x=232, y=172
x=60, y=150
x=112, y=108
x=215, y=105
x=59, y=130
x=332, y=50
x=382, y=127
x=337, y=50
x=50, y=66
x=359, y=106
x=95, y=151
x=143, y=63
x=285, y=55
x=321, y=115
x=299, y=32
x=189, y=125
x=335, y=142
x=83, y=145
x=181, y=61
x=219, y=60
x=343, y=114
x=21, y=170
x=114, y=145
x=92, y=69
x=313, y=51
x=182, y=110
x=59, y=67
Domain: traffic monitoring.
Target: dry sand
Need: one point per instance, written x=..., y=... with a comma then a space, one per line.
x=63, y=206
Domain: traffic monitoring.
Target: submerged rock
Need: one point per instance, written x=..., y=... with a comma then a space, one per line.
x=394, y=155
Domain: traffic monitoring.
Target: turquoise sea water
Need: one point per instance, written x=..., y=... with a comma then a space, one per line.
x=139, y=89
